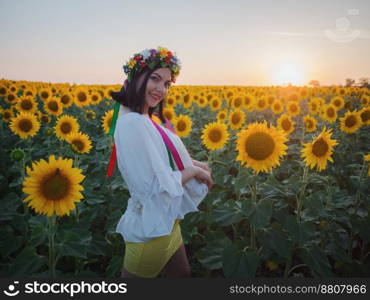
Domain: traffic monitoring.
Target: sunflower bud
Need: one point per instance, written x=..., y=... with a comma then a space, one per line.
x=17, y=154
x=49, y=131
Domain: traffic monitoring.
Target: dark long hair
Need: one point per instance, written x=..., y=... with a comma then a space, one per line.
x=135, y=99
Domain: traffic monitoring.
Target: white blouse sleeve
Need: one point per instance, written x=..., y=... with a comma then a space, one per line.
x=155, y=188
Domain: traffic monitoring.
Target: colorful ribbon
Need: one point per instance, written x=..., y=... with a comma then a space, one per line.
x=171, y=149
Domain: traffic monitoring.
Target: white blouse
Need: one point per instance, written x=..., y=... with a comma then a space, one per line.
x=157, y=196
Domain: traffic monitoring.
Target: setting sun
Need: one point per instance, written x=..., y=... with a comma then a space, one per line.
x=289, y=73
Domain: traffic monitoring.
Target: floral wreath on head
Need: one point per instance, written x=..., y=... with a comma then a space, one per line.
x=150, y=58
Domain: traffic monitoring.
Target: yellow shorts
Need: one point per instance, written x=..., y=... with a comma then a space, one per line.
x=148, y=259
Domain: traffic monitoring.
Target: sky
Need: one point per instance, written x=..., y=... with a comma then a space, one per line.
x=234, y=42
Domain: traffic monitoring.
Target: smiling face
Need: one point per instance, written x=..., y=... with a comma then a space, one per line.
x=157, y=87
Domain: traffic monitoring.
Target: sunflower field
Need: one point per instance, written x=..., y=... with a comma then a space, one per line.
x=291, y=170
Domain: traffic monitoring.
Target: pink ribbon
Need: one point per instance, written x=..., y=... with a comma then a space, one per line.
x=170, y=145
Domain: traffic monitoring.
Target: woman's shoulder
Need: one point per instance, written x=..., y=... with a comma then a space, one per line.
x=132, y=118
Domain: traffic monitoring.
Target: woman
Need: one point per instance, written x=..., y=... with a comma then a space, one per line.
x=161, y=192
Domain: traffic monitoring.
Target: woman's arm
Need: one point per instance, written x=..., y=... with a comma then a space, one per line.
x=199, y=174
x=202, y=165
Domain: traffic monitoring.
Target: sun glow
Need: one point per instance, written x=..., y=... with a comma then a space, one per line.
x=288, y=73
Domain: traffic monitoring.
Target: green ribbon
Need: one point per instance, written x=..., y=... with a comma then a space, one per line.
x=114, y=119
x=170, y=158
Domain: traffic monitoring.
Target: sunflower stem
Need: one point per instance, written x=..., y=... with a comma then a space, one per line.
x=52, y=223
x=254, y=202
x=301, y=193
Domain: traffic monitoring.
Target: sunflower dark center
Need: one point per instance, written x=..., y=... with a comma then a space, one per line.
x=293, y=108
x=337, y=103
x=235, y=119
x=238, y=102
x=330, y=112
x=2, y=91
x=79, y=145
x=44, y=95
x=259, y=145
x=181, y=125
x=11, y=97
x=365, y=116
x=81, y=97
x=350, y=121
x=309, y=124
x=186, y=98
x=66, y=127
x=65, y=99
x=45, y=118
x=56, y=186
x=25, y=125
x=215, y=135
x=94, y=98
x=320, y=147
x=26, y=104
x=261, y=103
x=53, y=106
x=286, y=124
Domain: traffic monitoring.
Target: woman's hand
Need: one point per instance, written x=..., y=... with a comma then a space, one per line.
x=203, y=176
x=202, y=165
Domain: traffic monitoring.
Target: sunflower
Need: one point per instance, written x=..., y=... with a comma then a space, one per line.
x=202, y=101
x=222, y=115
x=187, y=100
x=260, y=146
x=237, y=101
x=66, y=99
x=183, y=125
x=53, y=186
x=329, y=113
x=338, y=102
x=90, y=114
x=95, y=98
x=45, y=93
x=365, y=115
x=107, y=120
x=25, y=125
x=170, y=101
x=44, y=118
x=65, y=126
x=236, y=119
x=29, y=92
x=286, y=124
x=3, y=90
x=53, y=106
x=293, y=108
x=169, y=114
x=249, y=102
x=277, y=106
x=319, y=151
x=351, y=122
x=261, y=103
x=79, y=142
x=314, y=105
x=81, y=97
x=26, y=104
x=11, y=98
x=215, y=103
x=310, y=123
x=215, y=135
